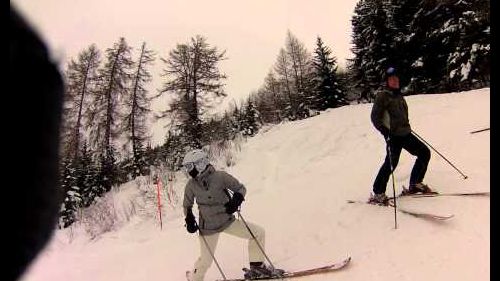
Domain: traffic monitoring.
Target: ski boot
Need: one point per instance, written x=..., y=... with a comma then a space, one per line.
x=379, y=199
x=261, y=270
x=418, y=188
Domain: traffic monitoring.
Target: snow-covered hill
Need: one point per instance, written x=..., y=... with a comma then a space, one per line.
x=299, y=176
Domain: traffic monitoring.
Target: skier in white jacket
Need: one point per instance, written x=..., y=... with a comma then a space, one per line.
x=210, y=189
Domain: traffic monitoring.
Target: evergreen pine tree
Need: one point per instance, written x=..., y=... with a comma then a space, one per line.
x=403, y=51
x=273, y=90
x=449, y=45
x=174, y=150
x=372, y=41
x=72, y=197
x=107, y=175
x=328, y=92
x=87, y=177
x=249, y=120
x=468, y=64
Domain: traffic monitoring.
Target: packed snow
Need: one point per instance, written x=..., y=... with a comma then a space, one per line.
x=299, y=176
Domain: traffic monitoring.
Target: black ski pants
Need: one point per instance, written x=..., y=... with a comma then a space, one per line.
x=415, y=147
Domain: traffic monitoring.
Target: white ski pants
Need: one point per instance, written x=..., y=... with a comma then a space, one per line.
x=238, y=229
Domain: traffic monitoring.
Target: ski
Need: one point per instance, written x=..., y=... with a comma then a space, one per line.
x=419, y=195
x=417, y=214
x=449, y=194
x=293, y=274
x=421, y=214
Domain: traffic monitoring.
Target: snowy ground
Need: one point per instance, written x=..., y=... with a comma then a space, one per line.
x=299, y=176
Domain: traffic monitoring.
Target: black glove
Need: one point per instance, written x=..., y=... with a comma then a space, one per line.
x=191, y=222
x=235, y=202
x=386, y=133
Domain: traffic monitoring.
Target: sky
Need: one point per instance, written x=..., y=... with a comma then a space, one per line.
x=251, y=32
x=299, y=176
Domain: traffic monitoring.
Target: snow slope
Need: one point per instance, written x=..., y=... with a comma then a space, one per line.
x=299, y=176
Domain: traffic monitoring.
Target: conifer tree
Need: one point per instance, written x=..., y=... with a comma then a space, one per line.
x=249, y=124
x=138, y=106
x=81, y=81
x=72, y=197
x=195, y=83
x=104, y=123
x=327, y=93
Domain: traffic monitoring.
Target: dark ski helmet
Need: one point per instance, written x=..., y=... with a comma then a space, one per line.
x=390, y=71
x=392, y=79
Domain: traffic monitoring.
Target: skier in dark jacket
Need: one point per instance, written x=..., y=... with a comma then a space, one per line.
x=211, y=190
x=390, y=117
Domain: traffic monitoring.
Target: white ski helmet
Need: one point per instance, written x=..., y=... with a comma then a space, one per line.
x=195, y=158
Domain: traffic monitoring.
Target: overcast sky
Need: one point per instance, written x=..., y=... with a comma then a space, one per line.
x=251, y=31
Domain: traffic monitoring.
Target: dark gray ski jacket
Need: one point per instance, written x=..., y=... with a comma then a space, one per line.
x=390, y=111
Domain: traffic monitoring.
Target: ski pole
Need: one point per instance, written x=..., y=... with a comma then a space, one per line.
x=211, y=253
x=393, y=183
x=478, y=131
x=255, y=238
x=464, y=176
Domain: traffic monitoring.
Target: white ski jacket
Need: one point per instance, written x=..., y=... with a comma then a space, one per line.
x=210, y=190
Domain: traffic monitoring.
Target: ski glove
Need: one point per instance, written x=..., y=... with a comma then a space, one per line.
x=190, y=221
x=235, y=202
x=385, y=132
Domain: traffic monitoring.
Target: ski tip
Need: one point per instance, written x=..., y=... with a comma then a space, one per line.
x=345, y=261
x=448, y=217
x=442, y=217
